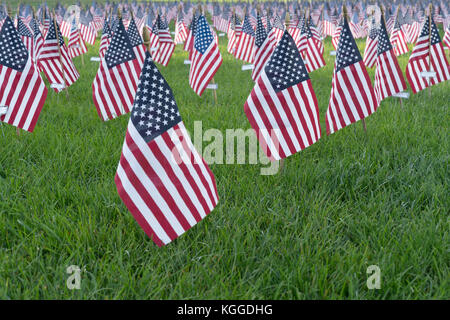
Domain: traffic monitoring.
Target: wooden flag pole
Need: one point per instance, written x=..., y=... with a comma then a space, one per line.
x=59, y=51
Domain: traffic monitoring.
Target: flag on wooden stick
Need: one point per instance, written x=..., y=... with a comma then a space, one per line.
x=282, y=107
x=162, y=179
x=352, y=95
x=22, y=90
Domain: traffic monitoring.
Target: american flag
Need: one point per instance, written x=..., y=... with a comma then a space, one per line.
x=311, y=49
x=246, y=42
x=116, y=82
x=263, y=48
x=388, y=76
x=87, y=29
x=398, y=38
x=106, y=38
x=180, y=29
x=352, y=95
x=370, y=52
x=165, y=45
x=189, y=43
x=234, y=32
x=206, y=58
x=25, y=34
x=279, y=28
x=76, y=45
x=328, y=26
x=446, y=39
x=136, y=42
x=162, y=179
x=336, y=35
x=428, y=55
x=38, y=40
x=282, y=107
x=22, y=91
x=54, y=59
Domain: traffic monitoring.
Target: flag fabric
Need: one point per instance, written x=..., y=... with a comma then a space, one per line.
x=246, y=42
x=55, y=61
x=310, y=48
x=86, y=28
x=263, y=48
x=398, y=39
x=180, y=29
x=336, y=35
x=282, y=107
x=22, y=90
x=446, y=39
x=235, y=31
x=206, y=58
x=278, y=27
x=106, y=39
x=116, y=82
x=25, y=34
x=161, y=178
x=352, y=96
x=427, y=56
x=76, y=45
x=370, y=52
x=38, y=40
x=188, y=44
x=165, y=45
x=388, y=76
x=136, y=42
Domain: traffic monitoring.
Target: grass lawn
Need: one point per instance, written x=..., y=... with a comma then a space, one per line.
x=351, y=200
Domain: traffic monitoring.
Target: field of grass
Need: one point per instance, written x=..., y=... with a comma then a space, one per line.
x=351, y=200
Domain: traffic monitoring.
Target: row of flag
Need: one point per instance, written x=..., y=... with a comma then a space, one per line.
x=164, y=182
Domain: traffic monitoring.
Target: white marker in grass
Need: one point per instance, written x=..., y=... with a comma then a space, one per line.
x=58, y=86
x=96, y=59
x=247, y=67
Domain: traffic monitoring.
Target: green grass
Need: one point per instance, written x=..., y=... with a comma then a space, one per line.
x=349, y=201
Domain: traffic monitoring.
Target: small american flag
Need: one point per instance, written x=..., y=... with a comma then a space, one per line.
x=388, y=76
x=336, y=35
x=352, y=95
x=116, y=82
x=106, y=38
x=311, y=48
x=206, y=58
x=136, y=41
x=25, y=34
x=76, y=44
x=165, y=45
x=370, y=52
x=161, y=178
x=424, y=51
x=55, y=61
x=263, y=48
x=282, y=107
x=38, y=40
x=86, y=28
x=22, y=91
x=189, y=43
x=398, y=38
x=246, y=42
x=180, y=29
x=446, y=39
